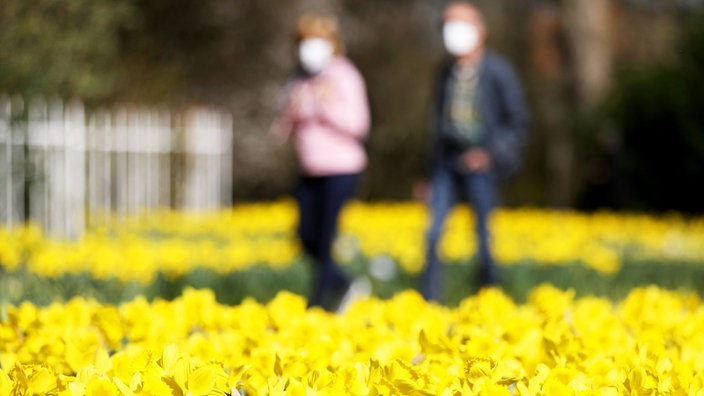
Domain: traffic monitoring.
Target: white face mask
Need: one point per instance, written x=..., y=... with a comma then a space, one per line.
x=314, y=54
x=460, y=37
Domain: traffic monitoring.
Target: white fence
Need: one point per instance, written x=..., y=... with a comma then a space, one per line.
x=67, y=168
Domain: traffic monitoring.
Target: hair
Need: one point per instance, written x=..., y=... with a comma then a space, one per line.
x=461, y=2
x=468, y=4
x=322, y=26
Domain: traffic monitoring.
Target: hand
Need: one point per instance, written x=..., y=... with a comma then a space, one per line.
x=476, y=160
x=421, y=190
x=323, y=89
x=302, y=101
x=295, y=100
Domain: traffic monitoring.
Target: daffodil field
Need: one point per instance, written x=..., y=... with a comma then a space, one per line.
x=651, y=343
x=144, y=307
x=382, y=240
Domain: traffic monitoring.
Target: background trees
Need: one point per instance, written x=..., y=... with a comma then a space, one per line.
x=658, y=111
x=614, y=97
x=63, y=47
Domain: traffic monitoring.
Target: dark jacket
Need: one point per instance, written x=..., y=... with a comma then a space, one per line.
x=503, y=113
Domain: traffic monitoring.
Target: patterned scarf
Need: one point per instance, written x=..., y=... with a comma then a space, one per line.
x=461, y=113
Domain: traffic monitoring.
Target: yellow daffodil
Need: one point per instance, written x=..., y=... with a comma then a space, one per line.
x=554, y=343
x=174, y=244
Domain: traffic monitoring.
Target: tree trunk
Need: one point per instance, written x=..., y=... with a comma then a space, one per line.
x=589, y=34
x=550, y=76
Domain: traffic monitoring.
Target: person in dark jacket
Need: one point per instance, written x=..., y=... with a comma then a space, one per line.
x=478, y=129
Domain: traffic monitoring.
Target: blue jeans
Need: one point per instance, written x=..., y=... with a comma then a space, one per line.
x=320, y=200
x=447, y=187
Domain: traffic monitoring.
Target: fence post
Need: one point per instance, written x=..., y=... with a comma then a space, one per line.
x=7, y=192
x=207, y=144
x=225, y=126
x=6, y=168
x=165, y=146
x=99, y=147
x=74, y=177
x=37, y=150
x=12, y=174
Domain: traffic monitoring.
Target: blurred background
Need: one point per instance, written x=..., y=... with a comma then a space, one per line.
x=615, y=87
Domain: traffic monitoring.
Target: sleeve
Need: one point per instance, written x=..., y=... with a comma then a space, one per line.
x=433, y=150
x=287, y=113
x=510, y=131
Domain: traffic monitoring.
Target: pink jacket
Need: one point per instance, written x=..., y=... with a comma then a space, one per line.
x=328, y=118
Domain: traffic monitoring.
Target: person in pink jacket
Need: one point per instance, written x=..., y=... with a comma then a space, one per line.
x=325, y=112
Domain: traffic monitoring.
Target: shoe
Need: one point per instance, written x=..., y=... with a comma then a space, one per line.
x=360, y=288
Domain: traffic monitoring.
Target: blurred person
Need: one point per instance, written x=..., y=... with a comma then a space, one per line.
x=325, y=111
x=478, y=126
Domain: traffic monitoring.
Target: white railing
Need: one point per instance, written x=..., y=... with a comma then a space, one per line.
x=67, y=168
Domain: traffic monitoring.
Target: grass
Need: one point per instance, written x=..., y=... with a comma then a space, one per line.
x=263, y=283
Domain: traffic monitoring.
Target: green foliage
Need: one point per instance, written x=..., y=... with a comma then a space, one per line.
x=660, y=113
x=62, y=47
x=205, y=50
x=262, y=282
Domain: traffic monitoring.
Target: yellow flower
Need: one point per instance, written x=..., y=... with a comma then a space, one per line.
x=6, y=383
x=100, y=386
x=175, y=243
x=555, y=343
x=641, y=381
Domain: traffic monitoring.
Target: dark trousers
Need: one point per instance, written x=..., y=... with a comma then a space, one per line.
x=320, y=200
x=447, y=186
